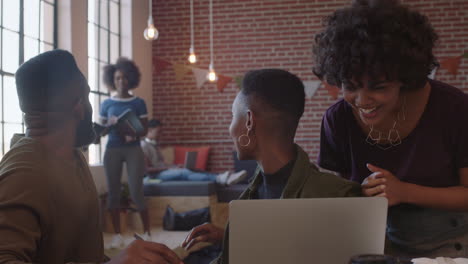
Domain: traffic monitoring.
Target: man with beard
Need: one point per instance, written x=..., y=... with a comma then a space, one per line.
x=49, y=209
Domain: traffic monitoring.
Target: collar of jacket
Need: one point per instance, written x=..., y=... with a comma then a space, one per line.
x=297, y=179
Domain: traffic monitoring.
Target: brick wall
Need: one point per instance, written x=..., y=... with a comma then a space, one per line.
x=252, y=34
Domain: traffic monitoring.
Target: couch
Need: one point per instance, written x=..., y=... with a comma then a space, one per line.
x=189, y=195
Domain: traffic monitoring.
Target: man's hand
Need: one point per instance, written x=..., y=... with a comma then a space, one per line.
x=140, y=251
x=203, y=233
x=383, y=183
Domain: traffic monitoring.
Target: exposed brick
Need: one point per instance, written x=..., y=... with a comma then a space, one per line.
x=251, y=34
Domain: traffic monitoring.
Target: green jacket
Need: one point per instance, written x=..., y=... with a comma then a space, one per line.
x=305, y=181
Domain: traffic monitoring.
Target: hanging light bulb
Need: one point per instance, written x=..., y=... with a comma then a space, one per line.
x=151, y=33
x=192, y=57
x=212, y=76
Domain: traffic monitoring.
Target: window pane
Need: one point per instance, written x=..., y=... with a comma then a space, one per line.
x=45, y=47
x=10, y=51
x=1, y=140
x=93, y=152
x=47, y=22
x=31, y=18
x=114, y=17
x=10, y=130
x=92, y=75
x=12, y=112
x=115, y=48
x=103, y=45
x=92, y=38
x=31, y=48
x=92, y=10
x=1, y=105
x=102, y=86
x=93, y=99
x=104, y=11
x=11, y=15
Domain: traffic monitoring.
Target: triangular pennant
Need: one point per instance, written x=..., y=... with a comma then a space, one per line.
x=222, y=82
x=333, y=91
x=200, y=76
x=311, y=87
x=451, y=64
x=160, y=65
x=180, y=71
x=238, y=79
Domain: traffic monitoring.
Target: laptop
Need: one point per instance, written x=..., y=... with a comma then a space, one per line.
x=190, y=160
x=300, y=231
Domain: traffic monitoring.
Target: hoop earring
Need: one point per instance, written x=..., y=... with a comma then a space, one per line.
x=242, y=136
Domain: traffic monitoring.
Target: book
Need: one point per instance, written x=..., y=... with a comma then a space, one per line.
x=128, y=123
x=128, y=120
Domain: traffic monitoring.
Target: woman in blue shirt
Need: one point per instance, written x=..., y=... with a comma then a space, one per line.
x=123, y=143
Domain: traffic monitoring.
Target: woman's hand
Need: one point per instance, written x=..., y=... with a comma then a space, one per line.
x=203, y=233
x=383, y=183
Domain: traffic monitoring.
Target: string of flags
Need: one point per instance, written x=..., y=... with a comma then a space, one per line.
x=451, y=64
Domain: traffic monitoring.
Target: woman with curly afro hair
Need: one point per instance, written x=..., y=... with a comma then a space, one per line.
x=123, y=144
x=400, y=134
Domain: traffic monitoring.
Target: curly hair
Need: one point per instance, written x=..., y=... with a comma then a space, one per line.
x=375, y=38
x=127, y=67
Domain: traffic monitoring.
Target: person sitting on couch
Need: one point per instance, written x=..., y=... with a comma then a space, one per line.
x=265, y=116
x=157, y=168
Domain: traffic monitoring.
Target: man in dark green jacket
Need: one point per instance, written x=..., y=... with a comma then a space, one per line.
x=266, y=114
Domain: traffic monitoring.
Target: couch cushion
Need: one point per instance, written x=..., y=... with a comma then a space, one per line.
x=168, y=154
x=202, y=155
x=178, y=188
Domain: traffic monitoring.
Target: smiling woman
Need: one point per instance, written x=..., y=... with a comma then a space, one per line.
x=399, y=134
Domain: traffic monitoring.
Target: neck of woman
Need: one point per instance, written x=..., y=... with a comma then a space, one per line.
x=276, y=156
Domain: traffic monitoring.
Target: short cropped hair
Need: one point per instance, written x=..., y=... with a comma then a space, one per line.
x=127, y=67
x=375, y=38
x=49, y=82
x=280, y=90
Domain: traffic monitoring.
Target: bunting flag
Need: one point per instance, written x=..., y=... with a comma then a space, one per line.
x=310, y=87
x=160, y=65
x=180, y=71
x=451, y=64
x=333, y=91
x=238, y=79
x=200, y=76
x=222, y=82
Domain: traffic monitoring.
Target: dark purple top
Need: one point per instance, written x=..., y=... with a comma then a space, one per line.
x=430, y=155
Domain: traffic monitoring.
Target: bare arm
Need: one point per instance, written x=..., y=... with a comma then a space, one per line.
x=450, y=198
x=384, y=183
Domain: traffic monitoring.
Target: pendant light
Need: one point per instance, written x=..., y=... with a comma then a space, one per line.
x=212, y=77
x=192, y=57
x=151, y=33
